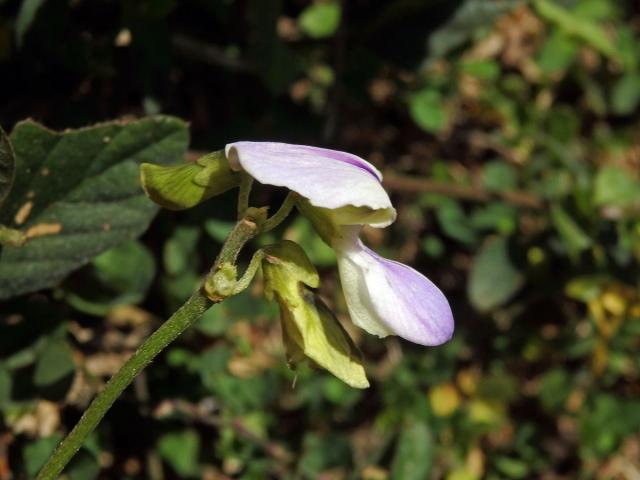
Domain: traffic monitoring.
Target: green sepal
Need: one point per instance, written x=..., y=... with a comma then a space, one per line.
x=310, y=330
x=178, y=187
x=327, y=222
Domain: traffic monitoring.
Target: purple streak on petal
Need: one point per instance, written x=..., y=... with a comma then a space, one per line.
x=422, y=298
x=315, y=174
x=316, y=153
x=343, y=157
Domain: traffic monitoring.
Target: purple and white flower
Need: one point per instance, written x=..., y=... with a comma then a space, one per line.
x=383, y=297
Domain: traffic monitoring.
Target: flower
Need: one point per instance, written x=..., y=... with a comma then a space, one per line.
x=338, y=181
x=340, y=193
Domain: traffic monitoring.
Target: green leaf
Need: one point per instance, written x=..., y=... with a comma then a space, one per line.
x=36, y=453
x=82, y=187
x=583, y=29
x=320, y=20
x=586, y=287
x=26, y=16
x=428, y=110
x=414, y=454
x=7, y=166
x=615, y=186
x=481, y=69
x=181, y=450
x=499, y=176
x=625, y=96
x=493, y=279
x=455, y=223
x=179, y=250
x=122, y=277
x=555, y=387
x=54, y=363
x=558, y=52
x=512, y=468
x=499, y=217
x=575, y=239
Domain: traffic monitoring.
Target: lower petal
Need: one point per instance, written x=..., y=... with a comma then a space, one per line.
x=388, y=298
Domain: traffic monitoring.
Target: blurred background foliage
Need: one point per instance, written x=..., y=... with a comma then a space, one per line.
x=508, y=134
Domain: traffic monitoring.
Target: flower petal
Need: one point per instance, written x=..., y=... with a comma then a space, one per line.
x=327, y=178
x=388, y=298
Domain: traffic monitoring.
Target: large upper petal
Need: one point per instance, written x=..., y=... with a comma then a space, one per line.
x=389, y=298
x=327, y=178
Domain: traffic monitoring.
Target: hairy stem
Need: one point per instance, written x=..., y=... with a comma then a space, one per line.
x=282, y=213
x=244, y=281
x=182, y=319
x=246, y=182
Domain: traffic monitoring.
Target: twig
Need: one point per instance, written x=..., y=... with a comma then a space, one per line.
x=406, y=183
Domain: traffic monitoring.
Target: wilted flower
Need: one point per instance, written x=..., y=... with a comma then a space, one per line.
x=340, y=193
x=310, y=331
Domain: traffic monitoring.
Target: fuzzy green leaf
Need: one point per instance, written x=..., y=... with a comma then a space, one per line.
x=77, y=194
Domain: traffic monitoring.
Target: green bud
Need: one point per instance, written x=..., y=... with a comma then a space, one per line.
x=222, y=283
x=310, y=330
x=178, y=187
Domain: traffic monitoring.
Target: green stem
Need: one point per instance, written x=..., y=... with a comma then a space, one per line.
x=249, y=273
x=182, y=319
x=246, y=182
x=282, y=213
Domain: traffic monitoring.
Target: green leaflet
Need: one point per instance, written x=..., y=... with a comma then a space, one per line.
x=77, y=194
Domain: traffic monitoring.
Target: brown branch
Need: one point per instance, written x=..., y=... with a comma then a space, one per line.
x=406, y=183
